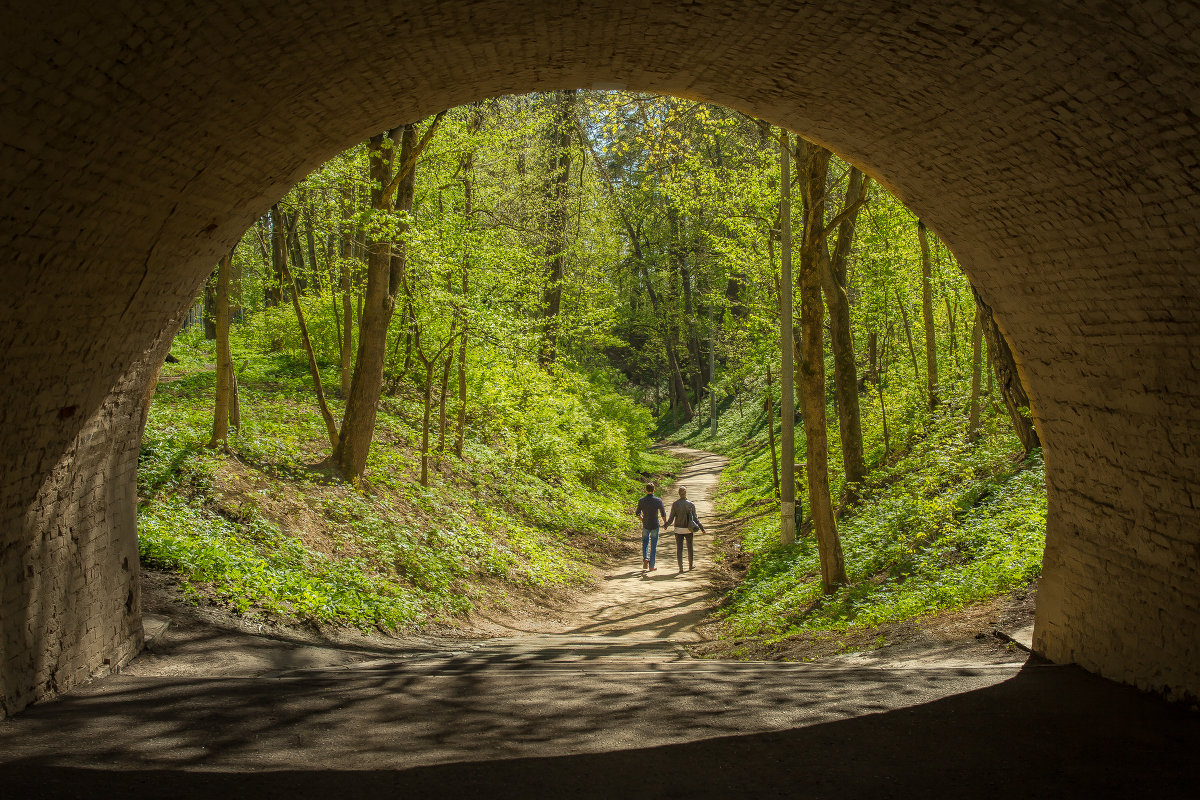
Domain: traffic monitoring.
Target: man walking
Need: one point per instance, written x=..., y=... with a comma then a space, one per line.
x=683, y=514
x=649, y=509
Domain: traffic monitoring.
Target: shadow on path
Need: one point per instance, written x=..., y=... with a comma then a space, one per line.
x=1046, y=732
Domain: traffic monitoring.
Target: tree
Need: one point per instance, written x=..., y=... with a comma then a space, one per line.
x=345, y=283
x=210, y=306
x=787, y=486
x=313, y=369
x=429, y=361
x=712, y=373
x=931, y=365
x=467, y=169
x=392, y=190
x=225, y=408
x=834, y=284
x=976, y=369
x=1007, y=378
x=563, y=123
x=812, y=364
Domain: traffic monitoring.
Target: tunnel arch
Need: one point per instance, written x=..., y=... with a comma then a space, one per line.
x=1050, y=144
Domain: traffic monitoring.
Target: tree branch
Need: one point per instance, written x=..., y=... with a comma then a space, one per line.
x=845, y=214
x=411, y=163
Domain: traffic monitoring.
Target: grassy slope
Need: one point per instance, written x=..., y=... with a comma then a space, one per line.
x=943, y=524
x=262, y=533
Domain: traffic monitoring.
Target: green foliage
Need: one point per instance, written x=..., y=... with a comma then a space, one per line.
x=668, y=225
x=560, y=428
x=942, y=523
x=250, y=562
x=911, y=549
x=541, y=490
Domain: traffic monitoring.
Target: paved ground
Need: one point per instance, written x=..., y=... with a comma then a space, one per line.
x=599, y=701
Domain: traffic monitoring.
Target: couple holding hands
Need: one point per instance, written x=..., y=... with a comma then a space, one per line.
x=683, y=514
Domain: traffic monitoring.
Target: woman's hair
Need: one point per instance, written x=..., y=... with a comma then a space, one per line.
x=682, y=492
x=650, y=488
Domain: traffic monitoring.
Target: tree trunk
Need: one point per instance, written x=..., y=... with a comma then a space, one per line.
x=872, y=357
x=468, y=171
x=712, y=374
x=841, y=341
x=460, y=433
x=976, y=377
x=887, y=444
x=379, y=299
x=210, y=306
x=1008, y=379
x=812, y=367
x=412, y=336
x=689, y=315
x=671, y=397
x=678, y=252
x=235, y=315
x=557, y=196
x=236, y=299
x=733, y=296
x=681, y=393
x=787, y=486
x=912, y=350
x=221, y=408
x=931, y=366
x=326, y=415
x=430, y=362
x=990, y=372
x=445, y=388
x=678, y=386
x=347, y=332
x=235, y=400
x=299, y=277
x=310, y=240
x=771, y=435
x=428, y=397
x=274, y=290
x=950, y=317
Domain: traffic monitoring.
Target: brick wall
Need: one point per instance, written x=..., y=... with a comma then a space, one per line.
x=70, y=602
x=1052, y=144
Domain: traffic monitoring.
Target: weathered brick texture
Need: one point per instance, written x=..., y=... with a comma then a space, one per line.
x=1053, y=144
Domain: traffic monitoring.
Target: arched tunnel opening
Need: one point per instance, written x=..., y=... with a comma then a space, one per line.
x=666, y=213
x=1050, y=147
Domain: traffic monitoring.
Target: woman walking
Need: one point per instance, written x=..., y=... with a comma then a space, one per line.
x=683, y=514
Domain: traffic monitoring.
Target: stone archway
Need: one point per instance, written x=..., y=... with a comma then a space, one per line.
x=1051, y=144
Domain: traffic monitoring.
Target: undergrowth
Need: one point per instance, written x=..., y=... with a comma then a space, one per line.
x=550, y=465
x=941, y=523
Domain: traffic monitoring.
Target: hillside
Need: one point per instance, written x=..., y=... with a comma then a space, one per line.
x=946, y=540
x=264, y=532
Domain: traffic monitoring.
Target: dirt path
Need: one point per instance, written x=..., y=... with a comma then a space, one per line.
x=665, y=604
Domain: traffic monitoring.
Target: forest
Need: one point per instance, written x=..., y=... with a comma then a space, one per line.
x=431, y=379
